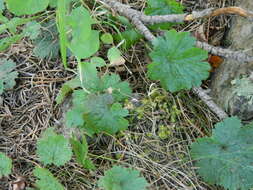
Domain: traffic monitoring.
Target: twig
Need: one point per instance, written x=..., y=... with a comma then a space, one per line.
x=209, y=102
x=133, y=17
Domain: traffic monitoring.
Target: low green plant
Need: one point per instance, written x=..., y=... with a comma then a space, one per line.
x=225, y=158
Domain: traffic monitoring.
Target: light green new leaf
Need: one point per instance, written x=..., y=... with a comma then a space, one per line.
x=100, y=62
x=107, y=38
x=119, y=178
x=84, y=42
x=114, y=56
x=7, y=75
x=81, y=152
x=53, y=148
x=46, y=180
x=177, y=63
x=5, y=165
x=85, y=48
x=28, y=7
x=226, y=157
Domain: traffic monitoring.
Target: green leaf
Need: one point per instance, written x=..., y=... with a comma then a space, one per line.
x=131, y=36
x=46, y=180
x=13, y=24
x=97, y=113
x=86, y=48
x=163, y=7
x=100, y=62
x=32, y=30
x=47, y=43
x=26, y=7
x=119, y=178
x=114, y=56
x=61, y=20
x=81, y=152
x=66, y=88
x=107, y=38
x=5, y=165
x=53, y=148
x=84, y=42
x=6, y=42
x=2, y=7
x=112, y=84
x=7, y=75
x=177, y=64
x=225, y=158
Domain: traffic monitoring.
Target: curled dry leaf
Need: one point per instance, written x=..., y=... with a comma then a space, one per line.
x=19, y=184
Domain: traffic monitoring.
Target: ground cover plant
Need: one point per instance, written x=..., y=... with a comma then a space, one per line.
x=100, y=109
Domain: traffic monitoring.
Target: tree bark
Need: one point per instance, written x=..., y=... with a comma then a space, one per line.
x=232, y=84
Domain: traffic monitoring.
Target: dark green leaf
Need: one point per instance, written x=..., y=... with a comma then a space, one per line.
x=226, y=157
x=177, y=63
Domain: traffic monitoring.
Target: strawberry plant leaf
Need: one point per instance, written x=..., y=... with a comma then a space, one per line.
x=225, y=158
x=123, y=179
x=26, y=7
x=53, y=148
x=163, y=7
x=81, y=152
x=177, y=64
x=46, y=180
x=5, y=165
x=7, y=75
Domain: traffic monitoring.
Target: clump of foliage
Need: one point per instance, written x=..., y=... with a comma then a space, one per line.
x=225, y=158
x=122, y=178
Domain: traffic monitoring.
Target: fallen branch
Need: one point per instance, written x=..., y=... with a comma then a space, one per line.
x=139, y=19
x=132, y=15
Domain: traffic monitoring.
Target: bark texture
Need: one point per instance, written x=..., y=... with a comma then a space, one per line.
x=232, y=86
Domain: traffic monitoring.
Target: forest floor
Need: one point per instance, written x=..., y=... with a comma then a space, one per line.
x=161, y=128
